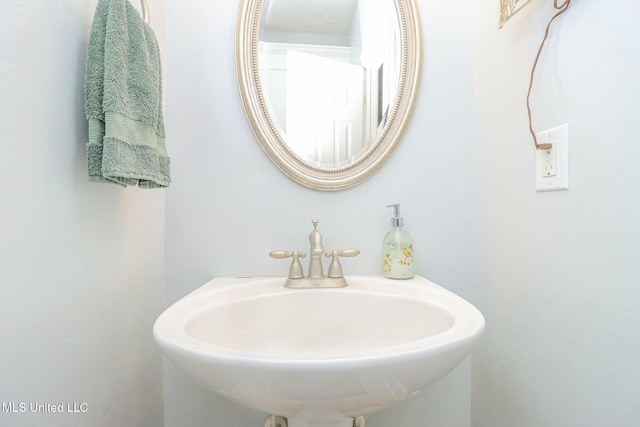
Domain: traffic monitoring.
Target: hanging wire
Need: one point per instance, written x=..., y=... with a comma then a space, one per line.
x=145, y=10
x=562, y=9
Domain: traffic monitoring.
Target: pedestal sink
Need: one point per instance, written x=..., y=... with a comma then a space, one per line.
x=318, y=356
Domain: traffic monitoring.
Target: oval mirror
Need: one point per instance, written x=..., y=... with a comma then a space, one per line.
x=328, y=85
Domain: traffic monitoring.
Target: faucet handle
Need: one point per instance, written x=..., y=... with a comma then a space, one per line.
x=335, y=269
x=345, y=253
x=280, y=254
x=295, y=271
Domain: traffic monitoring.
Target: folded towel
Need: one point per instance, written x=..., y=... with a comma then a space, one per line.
x=123, y=100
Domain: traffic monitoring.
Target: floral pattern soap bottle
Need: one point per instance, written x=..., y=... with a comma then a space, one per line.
x=398, y=249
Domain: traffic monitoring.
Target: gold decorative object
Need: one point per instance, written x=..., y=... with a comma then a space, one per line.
x=508, y=8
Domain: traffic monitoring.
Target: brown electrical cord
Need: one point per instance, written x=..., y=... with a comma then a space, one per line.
x=562, y=8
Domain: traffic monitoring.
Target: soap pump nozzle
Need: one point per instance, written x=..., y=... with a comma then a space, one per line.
x=396, y=221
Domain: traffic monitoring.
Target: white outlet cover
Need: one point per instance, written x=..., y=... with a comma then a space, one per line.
x=559, y=138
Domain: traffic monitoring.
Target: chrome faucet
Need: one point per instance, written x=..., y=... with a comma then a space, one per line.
x=316, y=277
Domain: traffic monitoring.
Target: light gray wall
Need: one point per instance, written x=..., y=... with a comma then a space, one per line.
x=81, y=265
x=557, y=274
x=554, y=273
x=229, y=205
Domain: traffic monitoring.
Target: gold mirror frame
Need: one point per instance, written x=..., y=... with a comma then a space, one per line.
x=508, y=8
x=271, y=141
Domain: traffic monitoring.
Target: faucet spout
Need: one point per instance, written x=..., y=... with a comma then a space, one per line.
x=316, y=249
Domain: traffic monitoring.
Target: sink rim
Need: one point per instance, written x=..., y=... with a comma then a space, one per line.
x=170, y=332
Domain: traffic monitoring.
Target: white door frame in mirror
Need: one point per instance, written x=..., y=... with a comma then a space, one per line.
x=268, y=134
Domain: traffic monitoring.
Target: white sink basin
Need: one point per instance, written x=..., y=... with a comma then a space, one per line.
x=318, y=356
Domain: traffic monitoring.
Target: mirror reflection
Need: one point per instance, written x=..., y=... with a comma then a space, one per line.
x=329, y=71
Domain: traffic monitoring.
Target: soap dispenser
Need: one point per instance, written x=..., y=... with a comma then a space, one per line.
x=398, y=249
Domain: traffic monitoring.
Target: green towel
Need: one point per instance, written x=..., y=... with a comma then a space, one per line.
x=123, y=100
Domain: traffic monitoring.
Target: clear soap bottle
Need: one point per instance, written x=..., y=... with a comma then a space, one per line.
x=398, y=260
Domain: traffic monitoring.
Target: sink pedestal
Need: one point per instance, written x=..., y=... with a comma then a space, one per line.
x=297, y=422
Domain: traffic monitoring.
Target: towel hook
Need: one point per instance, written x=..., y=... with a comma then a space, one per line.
x=145, y=10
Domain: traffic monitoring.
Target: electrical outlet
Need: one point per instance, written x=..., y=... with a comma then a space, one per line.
x=552, y=165
x=550, y=161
